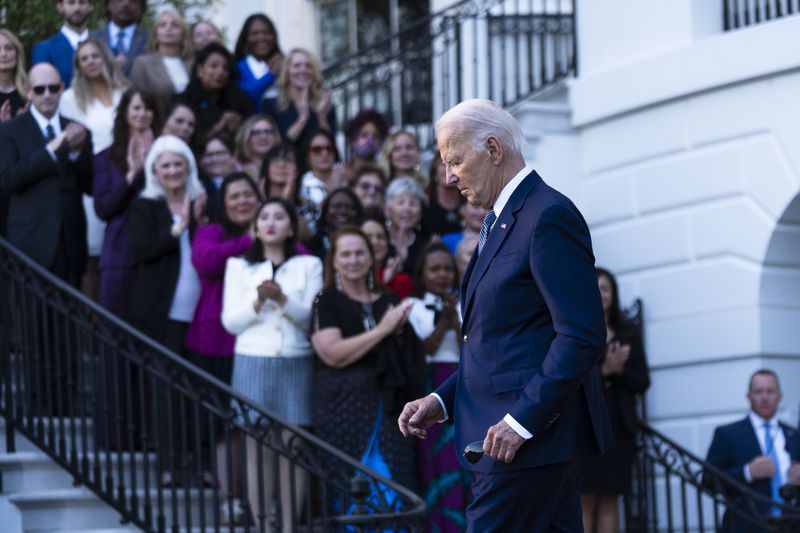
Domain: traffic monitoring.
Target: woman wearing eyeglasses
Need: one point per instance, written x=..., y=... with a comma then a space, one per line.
x=369, y=184
x=257, y=136
x=325, y=172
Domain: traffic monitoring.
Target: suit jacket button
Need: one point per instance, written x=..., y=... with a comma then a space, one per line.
x=466, y=338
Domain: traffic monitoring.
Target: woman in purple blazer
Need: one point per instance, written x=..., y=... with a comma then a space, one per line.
x=118, y=179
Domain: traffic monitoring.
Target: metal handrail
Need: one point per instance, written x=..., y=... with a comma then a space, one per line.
x=737, y=14
x=674, y=490
x=504, y=50
x=56, y=350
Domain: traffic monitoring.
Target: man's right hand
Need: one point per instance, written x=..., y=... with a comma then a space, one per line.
x=761, y=467
x=419, y=415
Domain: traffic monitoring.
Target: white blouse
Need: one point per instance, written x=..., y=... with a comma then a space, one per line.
x=176, y=70
x=274, y=331
x=421, y=319
x=97, y=118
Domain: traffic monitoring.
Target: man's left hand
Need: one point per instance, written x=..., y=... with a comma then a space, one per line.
x=793, y=476
x=502, y=442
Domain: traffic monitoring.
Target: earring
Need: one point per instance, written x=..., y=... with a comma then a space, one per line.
x=371, y=280
x=338, y=278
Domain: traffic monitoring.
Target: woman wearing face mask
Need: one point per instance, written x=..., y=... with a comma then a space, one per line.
x=165, y=69
x=218, y=102
x=267, y=304
x=258, y=57
x=365, y=134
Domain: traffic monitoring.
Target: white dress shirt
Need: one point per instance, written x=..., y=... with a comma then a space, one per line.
x=778, y=439
x=499, y=205
x=421, y=319
x=127, y=35
x=74, y=37
x=176, y=70
x=275, y=330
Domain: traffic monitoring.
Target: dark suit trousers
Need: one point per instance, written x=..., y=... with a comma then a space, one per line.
x=536, y=500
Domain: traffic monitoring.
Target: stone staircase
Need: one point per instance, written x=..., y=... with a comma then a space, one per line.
x=37, y=495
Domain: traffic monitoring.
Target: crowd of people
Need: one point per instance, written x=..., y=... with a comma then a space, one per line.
x=200, y=195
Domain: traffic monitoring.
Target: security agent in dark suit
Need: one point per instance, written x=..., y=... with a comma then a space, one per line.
x=124, y=34
x=528, y=385
x=45, y=167
x=758, y=450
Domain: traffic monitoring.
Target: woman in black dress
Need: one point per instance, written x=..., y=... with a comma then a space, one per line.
x=369, y=360
x=625, y=375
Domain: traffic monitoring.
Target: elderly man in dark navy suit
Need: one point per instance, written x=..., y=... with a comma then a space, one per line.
x=758, y=450
x=528, y=385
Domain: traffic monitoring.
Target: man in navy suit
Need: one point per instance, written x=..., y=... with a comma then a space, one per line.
x=528, y=384
x=123, y=34
x=59, y=49
x=758, y=450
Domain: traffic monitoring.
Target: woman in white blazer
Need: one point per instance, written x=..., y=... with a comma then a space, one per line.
x=267, y=302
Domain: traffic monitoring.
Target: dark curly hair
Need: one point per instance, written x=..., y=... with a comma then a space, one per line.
x=363, y=117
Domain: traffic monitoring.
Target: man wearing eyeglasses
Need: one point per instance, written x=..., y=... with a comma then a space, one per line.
x=759, y=450
x=45, y=166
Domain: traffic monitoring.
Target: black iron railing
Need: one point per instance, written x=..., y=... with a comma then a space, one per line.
x=504, y=50
x=119, y=412
x=675, y=491
x=742, y=13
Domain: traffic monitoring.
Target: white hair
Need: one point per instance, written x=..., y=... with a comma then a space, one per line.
x=172, y=145
x=404, y=185
x=483, y=118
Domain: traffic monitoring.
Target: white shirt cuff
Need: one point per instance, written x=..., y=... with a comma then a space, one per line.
x=517, y=427
x=444, y=409
x=747, y=475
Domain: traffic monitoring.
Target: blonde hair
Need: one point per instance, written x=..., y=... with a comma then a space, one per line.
x=242, y=139
x=315, y=91
x=20, y=74
x=187, y=48
x=169, y=144
x=82, y=86
x=385, y=159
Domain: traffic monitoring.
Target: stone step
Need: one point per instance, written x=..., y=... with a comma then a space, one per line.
x=79, y=509
x=34, y=470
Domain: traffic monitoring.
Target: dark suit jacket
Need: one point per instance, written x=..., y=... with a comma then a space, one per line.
x=58, y=52
x=621, y=389
x=533, y=334
x=735, y=445
x=45, y=205
x=138, y=44
x=158, y=255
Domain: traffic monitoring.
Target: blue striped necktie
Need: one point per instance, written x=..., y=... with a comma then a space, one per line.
x=488, y=220
x=775, y=482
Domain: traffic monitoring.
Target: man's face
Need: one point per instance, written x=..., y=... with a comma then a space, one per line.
x=75, y=12
x=43, y=79
x=764, y=395
x=469, y=167
x=123, y=13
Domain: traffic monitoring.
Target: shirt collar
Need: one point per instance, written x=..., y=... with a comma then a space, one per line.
x=509, y=189
x=74, y=37
x=759, y=422
x=43, y=121
x=114, y=30
x=430, y=299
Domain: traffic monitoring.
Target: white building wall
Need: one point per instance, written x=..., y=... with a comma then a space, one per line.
x=688, y=169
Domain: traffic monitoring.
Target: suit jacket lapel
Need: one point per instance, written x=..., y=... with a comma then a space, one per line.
x=502, y=227
x=465, y=282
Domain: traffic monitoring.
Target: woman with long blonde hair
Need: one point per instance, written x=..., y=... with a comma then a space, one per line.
x=164, y=71
x=303, y=105
x=12, y=75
